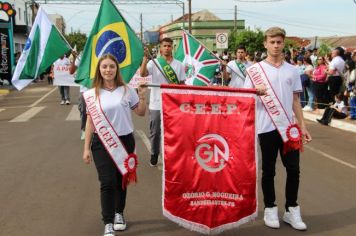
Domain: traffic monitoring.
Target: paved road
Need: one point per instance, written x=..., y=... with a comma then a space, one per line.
x=45, y=189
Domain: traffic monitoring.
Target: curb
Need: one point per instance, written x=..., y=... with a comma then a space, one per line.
x=339, y=124
x=4, y=91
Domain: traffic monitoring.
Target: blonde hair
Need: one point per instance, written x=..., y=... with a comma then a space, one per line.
x=98, y=82
x=274, y=32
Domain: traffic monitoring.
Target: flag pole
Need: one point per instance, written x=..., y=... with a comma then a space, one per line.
x=154, y=61
x=238, y=75
x=143, y=45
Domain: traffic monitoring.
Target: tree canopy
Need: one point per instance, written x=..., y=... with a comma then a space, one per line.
x=252, y=40
x=77, y=38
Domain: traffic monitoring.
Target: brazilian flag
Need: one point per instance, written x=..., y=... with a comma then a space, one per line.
x=110, y=34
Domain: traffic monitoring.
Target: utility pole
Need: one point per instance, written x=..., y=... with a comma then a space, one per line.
x=141, y=25
x=235, y=19
x=190, y=16
x=183, y=15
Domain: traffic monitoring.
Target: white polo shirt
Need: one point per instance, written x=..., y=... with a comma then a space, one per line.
x=285, y=81
x=117, y=106
x=237, y=78
x=62, y=62
x=337, y=63
x=158, y=78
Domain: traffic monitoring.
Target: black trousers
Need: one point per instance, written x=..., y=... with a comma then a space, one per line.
x=334, y=85
x=82, y=107
x=321, y=94
x=271, y=143
x=112, y=196
x=330, y=112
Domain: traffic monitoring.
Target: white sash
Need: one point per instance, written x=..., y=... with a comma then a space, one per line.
x=126, y=163
x=289, y=131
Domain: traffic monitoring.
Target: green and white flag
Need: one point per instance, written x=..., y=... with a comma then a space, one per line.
x=43, y=47
x=199, y=63
x=110, y=34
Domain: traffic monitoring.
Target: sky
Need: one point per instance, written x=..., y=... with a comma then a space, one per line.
x=302, y=18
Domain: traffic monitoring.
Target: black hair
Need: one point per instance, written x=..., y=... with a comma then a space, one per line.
x=307, y=59
x=168, y=40
x=241, y=47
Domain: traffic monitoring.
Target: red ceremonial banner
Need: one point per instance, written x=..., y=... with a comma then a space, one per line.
x=209, y=149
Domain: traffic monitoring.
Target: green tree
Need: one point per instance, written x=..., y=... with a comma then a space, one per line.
x=252, y=40
x=76, y=38
x=324, y=49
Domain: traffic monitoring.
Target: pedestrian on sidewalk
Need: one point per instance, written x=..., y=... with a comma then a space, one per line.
x=275, y=112
x=109, y=138
x=320, y=83
x=308, y=71
x=338, y=111
x=335, y=70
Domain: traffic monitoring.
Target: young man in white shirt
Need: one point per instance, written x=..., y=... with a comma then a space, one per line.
x=159, y=76
x=281, y=86
x=236, y=69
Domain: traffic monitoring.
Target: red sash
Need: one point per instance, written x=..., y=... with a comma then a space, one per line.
x=125, y=163
x=288, y=129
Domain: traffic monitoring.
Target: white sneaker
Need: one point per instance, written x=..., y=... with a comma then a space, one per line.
x=67, y=102
x=63, y=102
x=109, y=230
x=82, y=135
x=119, y=222
x=307, y=108
x=271, y=217
x=294, y=219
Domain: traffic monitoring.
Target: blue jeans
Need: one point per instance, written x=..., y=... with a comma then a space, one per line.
x=310, y=91
x=64, y=91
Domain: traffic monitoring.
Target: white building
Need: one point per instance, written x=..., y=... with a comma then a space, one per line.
x=20, y=31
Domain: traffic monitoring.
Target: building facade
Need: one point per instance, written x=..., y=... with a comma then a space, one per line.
x=23, y=21
x=58, y=21
x=205, y=26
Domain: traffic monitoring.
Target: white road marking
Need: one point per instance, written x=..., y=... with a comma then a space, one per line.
x=27, y=114
x=331, y=157
x=43, y=97
x=144, y=139
x=74, y=113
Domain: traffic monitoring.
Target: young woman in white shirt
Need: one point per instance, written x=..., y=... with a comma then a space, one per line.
x=116, y=100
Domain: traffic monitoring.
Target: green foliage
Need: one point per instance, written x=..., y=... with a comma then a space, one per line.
x=289, y=44
x=324, y=49
x=76, y=38
x=252, y=40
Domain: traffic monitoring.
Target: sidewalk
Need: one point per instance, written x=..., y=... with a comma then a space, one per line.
x=344, y=124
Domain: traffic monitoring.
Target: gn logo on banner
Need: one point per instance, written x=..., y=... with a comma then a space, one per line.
x=212, y=152
x=112, y=39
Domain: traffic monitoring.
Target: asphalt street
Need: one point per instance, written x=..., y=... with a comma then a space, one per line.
x=46, y=189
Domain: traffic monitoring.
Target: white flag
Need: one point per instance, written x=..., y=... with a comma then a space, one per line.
x=44, y=46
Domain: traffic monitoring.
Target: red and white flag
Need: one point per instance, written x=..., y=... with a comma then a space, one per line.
x=210, y=157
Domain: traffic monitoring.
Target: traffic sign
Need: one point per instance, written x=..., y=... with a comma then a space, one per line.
x=221, y=40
